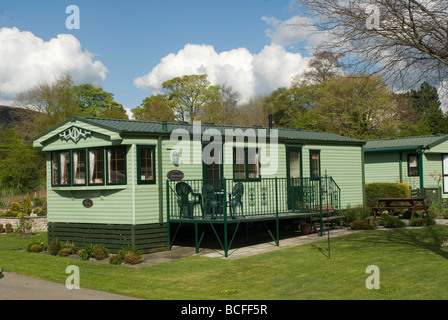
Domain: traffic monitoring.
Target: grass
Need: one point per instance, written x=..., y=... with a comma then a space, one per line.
x=411, y=261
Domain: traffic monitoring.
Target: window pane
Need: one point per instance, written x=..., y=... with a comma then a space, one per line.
x=315, y=164
x=96, y=165
x=239, y=166
x=253, y=163
x=413, y=165
x=294, y=164
x=294, y=167
x=146, y=164
x=54, y=168
x=79, y=167
x=65, y=168
x=116, y=165
x=445, y=173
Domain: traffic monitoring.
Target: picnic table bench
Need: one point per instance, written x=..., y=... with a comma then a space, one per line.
x=413, y=204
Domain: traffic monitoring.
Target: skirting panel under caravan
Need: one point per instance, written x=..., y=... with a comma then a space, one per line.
x=146, y=237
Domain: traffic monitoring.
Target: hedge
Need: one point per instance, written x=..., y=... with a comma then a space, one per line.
x=385, y=190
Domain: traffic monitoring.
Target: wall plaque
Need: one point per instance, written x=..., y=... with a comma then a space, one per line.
x=87, y=203
x=175, y=175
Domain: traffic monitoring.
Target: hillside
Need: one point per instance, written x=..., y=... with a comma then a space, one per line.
x=19, y=119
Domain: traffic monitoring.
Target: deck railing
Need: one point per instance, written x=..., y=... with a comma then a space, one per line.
x=262, y=198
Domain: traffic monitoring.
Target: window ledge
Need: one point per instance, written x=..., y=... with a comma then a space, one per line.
x=87, y=188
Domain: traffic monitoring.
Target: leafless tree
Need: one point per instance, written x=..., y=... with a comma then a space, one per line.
x=322, y=66
x=405, y=41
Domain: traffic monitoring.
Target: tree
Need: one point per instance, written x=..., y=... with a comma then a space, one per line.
x=95, y=102
x=155, y=108
x=322, y=66
x=20, y=165
x=223, y=109
x=61, y=100
x=360, y=107
x=253, y=112
x=424, y=100
x=287, y=105
x=402, y=40
x=425, y=103
x=189, y=95
x=54, y=102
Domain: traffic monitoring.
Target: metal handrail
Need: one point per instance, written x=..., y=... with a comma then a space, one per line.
x=265, y=196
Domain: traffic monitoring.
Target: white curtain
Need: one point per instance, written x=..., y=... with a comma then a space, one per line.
x=63, y=168
x=91, y=165
x=76, y=177
x=109, y=165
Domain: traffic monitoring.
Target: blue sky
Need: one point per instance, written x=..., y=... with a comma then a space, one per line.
x=248, y=44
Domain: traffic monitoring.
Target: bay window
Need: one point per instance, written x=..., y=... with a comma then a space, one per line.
x=81, y=167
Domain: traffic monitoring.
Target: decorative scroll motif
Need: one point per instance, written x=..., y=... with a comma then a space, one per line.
x=74, y=134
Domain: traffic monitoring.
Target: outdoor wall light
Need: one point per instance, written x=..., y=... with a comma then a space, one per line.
x=175, y=157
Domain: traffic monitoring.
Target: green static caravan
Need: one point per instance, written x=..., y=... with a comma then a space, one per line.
x=421, y=161
x=107, y=179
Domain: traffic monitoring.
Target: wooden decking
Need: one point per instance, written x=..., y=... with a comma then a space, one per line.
x=246, y=218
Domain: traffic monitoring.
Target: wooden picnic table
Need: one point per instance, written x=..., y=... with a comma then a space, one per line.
x=414, y=204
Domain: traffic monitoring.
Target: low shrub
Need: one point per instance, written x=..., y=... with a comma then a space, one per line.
x=356, y=225
x=132, y=258
x=99, y=253
x=357, y=213
x=437, y=210
x=407, y=214
x=15, y=206
x=9, y=228
x=362, y=225
x=54, y=246
x=95, y=251
x=113, y=259
x=65, y=252
x=417, y=222
x=127, y=256
x=1, y=227
x=83, y=254
x=11, y=214
x=391, y=222
x=39, y=202
x=69, y=245
x=36, y=246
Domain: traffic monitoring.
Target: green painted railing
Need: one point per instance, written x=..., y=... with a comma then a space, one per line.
x=262, y=198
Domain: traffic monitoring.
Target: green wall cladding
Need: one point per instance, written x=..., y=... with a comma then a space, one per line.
x=147, y=237
x=385, y=167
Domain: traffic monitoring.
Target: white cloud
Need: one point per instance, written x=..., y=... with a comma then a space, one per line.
x=292, y=31
x=249, y=74
x=26, y=60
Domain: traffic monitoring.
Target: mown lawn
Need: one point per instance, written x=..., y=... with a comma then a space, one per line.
x=411, y=262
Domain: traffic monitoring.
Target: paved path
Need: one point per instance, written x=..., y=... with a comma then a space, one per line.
x=18, y=287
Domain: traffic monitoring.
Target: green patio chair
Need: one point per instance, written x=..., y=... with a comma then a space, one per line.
x=184, y=193
x=210, y=204
x=237, y=196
